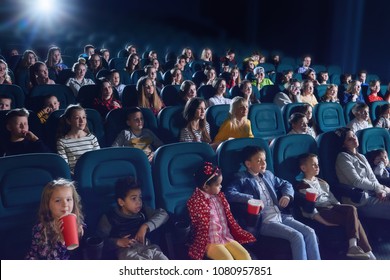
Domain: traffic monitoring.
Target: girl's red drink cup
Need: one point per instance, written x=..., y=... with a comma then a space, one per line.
x=311, y=194
x=254, y=206
x=70, y=231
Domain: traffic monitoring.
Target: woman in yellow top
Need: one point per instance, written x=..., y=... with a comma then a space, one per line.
x=307, y=95
x=237, y=124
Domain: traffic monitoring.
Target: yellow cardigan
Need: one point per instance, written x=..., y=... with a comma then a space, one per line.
x=227, y=131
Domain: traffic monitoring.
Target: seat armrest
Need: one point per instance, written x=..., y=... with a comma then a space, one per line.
x=355, y=194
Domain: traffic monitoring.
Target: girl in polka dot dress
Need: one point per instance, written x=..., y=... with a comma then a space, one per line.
x=216, y=233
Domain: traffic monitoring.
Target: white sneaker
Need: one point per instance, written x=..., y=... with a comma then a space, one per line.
x=355, y=252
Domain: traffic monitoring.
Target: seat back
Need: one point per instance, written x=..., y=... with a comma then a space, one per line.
x=64, y=75
x=118, y=63
x=285, y=152
x=86, y=95
x=68, y=60
x=116, y=122
x=266, y=120
x=284, y=67
x=318, y=68
x=234, y=91
x=35, y=98
x=206, y=91
x=334, y=69
x=170, y=95
x=268, y=92
x=94, y=122
x=129, y=96
x=170, y=121
x=348, y=115
x=335, y=78
x=215, y=116
x=167, y=77
x=319, y=91
x=122, y=53
x=373, y=138
x=22, y=179
x=328, y=116
x=198, y=77
x=15, y=93
x=375, y=108
x=97, y=173
x=196, y=65
x=287, y=111
x=95, y=125
x=291, y=61
x=22, y=79
x=268, y=67
x=327, y=154
x=173, y=169
x=125, y=78
x=229, y=156
x=103, y=73
x=136, y=75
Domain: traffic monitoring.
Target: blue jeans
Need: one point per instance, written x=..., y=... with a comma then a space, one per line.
x=303, y=239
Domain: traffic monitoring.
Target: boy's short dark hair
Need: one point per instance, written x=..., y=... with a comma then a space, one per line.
x=371, y=155
x=133, y=110
x=305, y=157
x=124, y=185
x=5, y=96
x=296, y=117
x=249, y=151
x=18, y=112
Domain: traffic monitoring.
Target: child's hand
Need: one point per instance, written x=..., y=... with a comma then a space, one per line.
x=125, y=242
x=150, y=156
x=31, y=136
x=140, y=236
x=47, y=110
x=284, y=201
x=58, y=225
x=381, y=195
x=261, y=204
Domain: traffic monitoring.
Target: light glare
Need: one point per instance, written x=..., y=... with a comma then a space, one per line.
x=45, y=5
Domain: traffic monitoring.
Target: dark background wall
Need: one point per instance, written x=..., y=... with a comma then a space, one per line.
x=351, y=33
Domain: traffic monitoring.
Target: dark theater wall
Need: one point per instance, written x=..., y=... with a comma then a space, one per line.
x=351, y=33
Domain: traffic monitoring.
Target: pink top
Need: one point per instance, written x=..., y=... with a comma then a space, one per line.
x=219, y=232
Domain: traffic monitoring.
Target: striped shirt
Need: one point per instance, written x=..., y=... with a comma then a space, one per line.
x=219, y=232
x=70, y=149
x=187, y=136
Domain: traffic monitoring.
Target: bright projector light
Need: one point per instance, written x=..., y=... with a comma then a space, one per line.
x=45, y=5
x=45, y=17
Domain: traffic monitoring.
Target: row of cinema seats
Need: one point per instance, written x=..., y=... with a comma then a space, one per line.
x=268, y=121
x=167, y=183
x=266, y=118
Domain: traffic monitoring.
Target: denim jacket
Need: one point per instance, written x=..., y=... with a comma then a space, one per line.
x=244, y=187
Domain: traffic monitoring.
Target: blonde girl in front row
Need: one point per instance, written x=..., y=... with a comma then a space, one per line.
x=59, y=197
